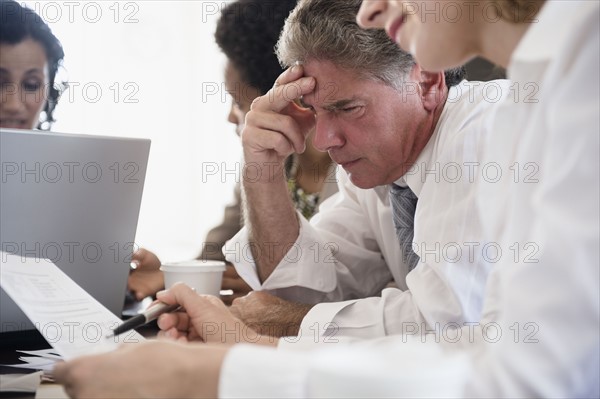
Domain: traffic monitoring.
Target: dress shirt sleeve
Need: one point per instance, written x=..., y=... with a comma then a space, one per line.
x=387, y=367
x=281, y=375
x=335, y=256
x=366, y=318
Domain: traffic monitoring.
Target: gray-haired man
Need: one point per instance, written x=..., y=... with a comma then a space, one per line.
x=398, y=133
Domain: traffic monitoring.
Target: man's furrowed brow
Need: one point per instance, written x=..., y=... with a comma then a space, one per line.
x=328, y=106
x=340, y=104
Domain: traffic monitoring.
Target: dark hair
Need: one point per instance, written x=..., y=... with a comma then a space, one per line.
x=327, y=30
x=455, y=75
x=18, y=23
x=247, y=32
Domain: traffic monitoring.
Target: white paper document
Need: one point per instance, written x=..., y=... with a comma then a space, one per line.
x=69, y=318
x=34, y=364
x=43, y=359
x=44, y=353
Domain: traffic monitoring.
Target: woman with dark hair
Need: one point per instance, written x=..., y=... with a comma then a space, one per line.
x=247, y=32
x=30, y=56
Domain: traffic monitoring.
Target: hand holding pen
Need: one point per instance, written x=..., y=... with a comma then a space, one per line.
x=202, y=318
x=154, y=311
x=150, y=314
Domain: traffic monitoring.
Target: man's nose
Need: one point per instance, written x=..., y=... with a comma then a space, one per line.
x=328, y=134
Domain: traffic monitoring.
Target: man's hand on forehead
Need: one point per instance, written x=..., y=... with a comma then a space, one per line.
x=289, y=87
x=276, y=125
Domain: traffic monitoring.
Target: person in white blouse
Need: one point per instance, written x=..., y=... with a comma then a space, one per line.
x=559, y=295
x=383, y=120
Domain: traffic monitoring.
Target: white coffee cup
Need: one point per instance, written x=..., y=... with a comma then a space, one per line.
x=203, y=275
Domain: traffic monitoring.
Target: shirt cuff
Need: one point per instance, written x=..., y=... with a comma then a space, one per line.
x=307, y=264
x=237, y=251
x=321, y=316
x=357, y=318
x=282, y=374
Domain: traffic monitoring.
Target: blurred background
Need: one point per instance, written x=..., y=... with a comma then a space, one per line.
x=151, y=69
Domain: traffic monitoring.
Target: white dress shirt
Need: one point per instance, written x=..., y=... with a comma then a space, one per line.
x=546, y=302
x=350, y=248
x=552, y=292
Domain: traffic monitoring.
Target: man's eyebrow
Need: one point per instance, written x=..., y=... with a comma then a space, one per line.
x=334, y=106
x=337, y=105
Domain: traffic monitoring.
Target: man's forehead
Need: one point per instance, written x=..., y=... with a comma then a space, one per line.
x=334, y=85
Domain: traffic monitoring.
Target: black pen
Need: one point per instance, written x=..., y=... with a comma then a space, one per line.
x=147, y=316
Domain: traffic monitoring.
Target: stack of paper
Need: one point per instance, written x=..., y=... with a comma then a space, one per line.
x=70, y=319
x=44, y=360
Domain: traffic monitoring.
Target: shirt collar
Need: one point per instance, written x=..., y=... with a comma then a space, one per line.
x=415, y=178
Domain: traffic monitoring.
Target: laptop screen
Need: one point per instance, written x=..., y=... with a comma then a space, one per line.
x=73, y=199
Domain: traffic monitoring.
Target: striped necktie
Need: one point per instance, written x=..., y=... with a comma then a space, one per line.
x=404, y=204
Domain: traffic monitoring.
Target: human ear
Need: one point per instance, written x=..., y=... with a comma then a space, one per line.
x=432, y=87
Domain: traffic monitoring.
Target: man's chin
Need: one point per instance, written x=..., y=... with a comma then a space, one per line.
x=362, y=181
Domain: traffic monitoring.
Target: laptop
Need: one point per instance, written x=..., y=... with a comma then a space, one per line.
x=73, y=199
